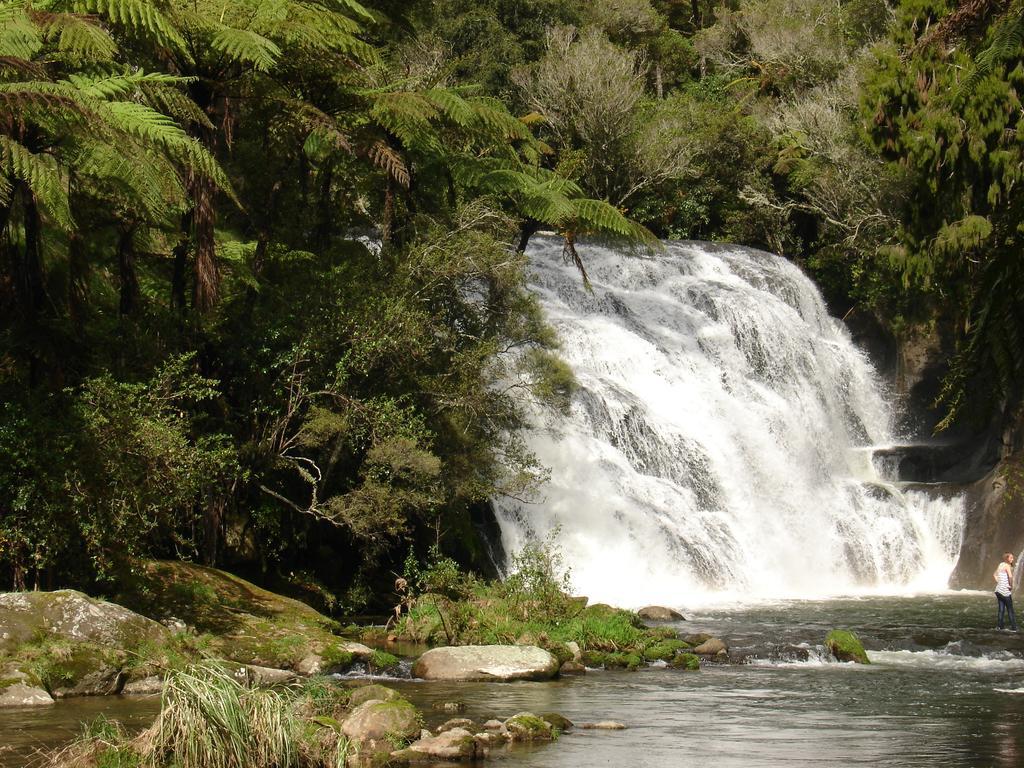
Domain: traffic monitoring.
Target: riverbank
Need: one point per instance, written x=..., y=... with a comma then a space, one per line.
x=939, y=690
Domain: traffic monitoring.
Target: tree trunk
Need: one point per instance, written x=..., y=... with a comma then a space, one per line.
x=29, y=280
x=529, y=228
x=78, y=282
x=325, y=209
x=206, y=288
x=128, y=275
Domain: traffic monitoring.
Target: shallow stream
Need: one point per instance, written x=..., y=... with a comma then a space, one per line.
x=944, y=688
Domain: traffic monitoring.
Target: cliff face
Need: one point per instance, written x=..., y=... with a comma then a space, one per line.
x=994, y=525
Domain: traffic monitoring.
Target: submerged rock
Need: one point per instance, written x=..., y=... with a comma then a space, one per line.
x=659, y=613
x=846, y=646
x=499, y=663
x=603, y=725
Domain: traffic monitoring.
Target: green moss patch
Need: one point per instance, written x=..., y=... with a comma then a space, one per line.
x=846, y=646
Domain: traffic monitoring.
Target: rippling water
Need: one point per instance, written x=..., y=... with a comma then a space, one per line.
x=943, y=689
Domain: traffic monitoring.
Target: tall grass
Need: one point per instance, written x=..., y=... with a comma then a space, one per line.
x=208, y=720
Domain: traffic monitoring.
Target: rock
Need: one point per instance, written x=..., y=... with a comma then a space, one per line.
x=22, y=695
x=83, y=669
x=574, y=649
x=557, y=721
x=71, y=615
x=659, y=613
x=456, y=744
x=696, y=639
x=489, y=739
x=526, y=726
x=455, y=722
x=264, y=677
x=175, y=624
x=846, y=646
x=310, y=665
x=450, y=706
x=572, y=668
x=712, y=647
x=689, y=661
x=146, y=686
x=372, y=692
x=495, y=725
x=374, y=721
x=486, y=662
x=603, y=725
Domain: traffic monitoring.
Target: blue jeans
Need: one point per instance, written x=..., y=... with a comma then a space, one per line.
x=1006, y=608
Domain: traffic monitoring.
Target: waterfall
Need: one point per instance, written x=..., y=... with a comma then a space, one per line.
x=720, y=442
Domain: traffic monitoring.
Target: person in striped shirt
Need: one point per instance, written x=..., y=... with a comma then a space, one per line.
x=1004, y=590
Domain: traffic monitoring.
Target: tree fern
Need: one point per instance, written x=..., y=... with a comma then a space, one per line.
x=41, y=175
x=137, y=15
x=246, y=46
x=79, y=38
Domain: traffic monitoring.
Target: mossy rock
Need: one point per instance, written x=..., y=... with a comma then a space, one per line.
x=593, y=659
x=846, y=646
x=664, y=650
x=560, y=723
x=336, y=658
x=690, y=661
x=630, y=661
x=370, y=692
x=527, y=726
x=382, y=661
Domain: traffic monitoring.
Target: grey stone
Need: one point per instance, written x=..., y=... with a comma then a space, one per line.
x=659, y=613
x=21, y=695
x=499, y=663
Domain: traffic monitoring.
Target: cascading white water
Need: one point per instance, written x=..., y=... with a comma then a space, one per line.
x=718, y=443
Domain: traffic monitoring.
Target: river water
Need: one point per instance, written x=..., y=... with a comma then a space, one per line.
x=944, y=688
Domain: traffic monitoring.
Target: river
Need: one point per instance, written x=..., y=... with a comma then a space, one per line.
x=944, y=688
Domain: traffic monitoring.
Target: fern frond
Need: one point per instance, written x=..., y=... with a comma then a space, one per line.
x=78, y=37
x=173, y=102
x=388, y=160
x=603, y=218
x=113, y=86
x=246, y=46
x=452, y=105
x=1007, y=40
x=19, y=37
x=137, y=15
x=42, y=176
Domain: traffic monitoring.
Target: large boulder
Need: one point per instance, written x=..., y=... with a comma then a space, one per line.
x=659, y=613
x=71, y=615
x=372, y=692
x=486, y=662
x=375, y=720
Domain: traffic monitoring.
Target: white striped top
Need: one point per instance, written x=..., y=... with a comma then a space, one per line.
x=1003, y=580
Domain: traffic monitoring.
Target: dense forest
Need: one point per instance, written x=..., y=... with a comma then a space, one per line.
x=262, y=272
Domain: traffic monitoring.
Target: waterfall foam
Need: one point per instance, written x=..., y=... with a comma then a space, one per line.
x=719, y=442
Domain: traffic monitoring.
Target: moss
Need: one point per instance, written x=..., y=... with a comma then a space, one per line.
x=664, y=650
x=381, y=661
x=688, y=661
x=528, y=727
x=846, y=646
x=336, y=657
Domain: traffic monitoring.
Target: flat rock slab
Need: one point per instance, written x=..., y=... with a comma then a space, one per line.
x=481, y=663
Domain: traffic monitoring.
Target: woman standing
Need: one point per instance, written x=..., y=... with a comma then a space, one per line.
x=1004, y=587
